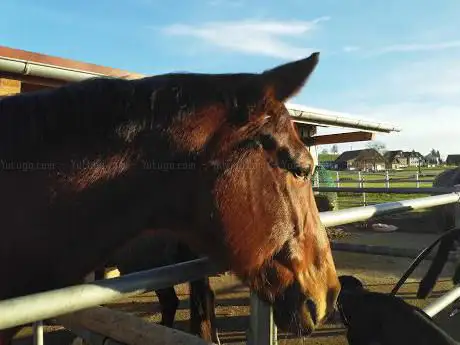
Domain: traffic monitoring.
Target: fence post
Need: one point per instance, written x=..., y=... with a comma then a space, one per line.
x=262, y=329
x=417, y=180
x=317, y=180
x=364, y=193
x=38, y=333
x=361, y=185
x=337, y=182
x=387, y=179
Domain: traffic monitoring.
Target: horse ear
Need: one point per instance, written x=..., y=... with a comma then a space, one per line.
x=286, y=80
x=279, y=83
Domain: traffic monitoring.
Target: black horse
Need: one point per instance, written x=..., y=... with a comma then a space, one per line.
x=137, y=256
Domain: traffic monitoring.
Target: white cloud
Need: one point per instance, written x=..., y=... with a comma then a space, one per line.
x=420, y=97
x=415, y=47
x=424, y=126
x=434, y=79
x=257, y=37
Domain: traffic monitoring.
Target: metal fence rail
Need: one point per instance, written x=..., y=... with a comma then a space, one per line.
x=49, y=304
x=44, y=305
x=380, y=190
x=334, y=218
x=443, y=302
x=380, y=181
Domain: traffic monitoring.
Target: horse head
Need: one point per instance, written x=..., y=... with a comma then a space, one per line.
x=249, y=195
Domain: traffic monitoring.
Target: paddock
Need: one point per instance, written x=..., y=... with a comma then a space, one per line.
x=78, y=308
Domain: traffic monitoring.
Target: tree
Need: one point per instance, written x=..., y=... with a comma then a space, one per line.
x=324, y=151
x=436, y=155
x=377, y=145
x=335, y=149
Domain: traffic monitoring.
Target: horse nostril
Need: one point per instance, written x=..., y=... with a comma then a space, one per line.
x=311, y=306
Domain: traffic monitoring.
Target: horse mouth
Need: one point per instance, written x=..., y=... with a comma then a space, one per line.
x=300, y=319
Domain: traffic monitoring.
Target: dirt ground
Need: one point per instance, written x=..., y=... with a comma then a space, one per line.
x=380, y=273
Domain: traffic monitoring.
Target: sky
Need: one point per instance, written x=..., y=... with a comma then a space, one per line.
x=390, y=61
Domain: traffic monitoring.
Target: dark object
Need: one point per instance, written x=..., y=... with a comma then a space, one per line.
x=429, y=280
x=445, y=218
x=137, y=256
x=376, y=318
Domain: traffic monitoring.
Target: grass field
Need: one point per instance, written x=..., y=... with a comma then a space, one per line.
x=371, y=180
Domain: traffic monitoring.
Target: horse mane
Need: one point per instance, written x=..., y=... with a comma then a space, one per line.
x=80, y=111
x=104, y=109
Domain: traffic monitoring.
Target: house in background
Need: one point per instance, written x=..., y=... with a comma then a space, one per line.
x=362, y=160
x=399, y=159
x=414, y=158
x=395, y=159
x=453, y=160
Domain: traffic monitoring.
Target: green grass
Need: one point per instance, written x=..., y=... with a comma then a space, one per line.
x=347, y=200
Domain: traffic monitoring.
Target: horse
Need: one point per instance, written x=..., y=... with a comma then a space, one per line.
x=378, y=318
x=136, y=256
x=445, y=219
x=213, y=158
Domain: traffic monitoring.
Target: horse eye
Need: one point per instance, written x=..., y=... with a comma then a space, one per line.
x=300, y=172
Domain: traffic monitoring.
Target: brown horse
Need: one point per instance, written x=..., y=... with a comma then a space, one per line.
x=215, y=159
x=445, y=219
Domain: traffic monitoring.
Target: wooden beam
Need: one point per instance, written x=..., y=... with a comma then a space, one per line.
x=339, y=138
x=305, y=130
x=9, y=87
x=33, y=80
x=125, y=328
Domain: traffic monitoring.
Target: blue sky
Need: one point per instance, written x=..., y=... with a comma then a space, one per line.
x=384, y=60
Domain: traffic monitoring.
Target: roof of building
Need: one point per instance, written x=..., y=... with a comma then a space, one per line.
x=12, y=54
x=390, y=155
x=55, y=70
x=362, y=154
x=453, y=157
x=329, y=118
x=415, y=154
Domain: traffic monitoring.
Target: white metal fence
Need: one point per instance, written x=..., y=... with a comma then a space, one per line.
x=386, y=179
x=36, y=307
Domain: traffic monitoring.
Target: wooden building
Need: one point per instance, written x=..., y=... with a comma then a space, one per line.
x=361, y=160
